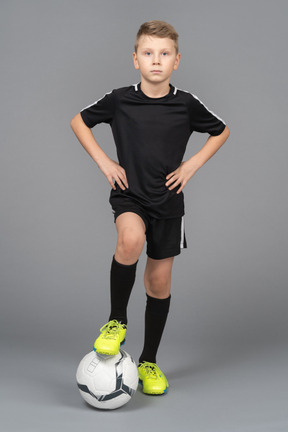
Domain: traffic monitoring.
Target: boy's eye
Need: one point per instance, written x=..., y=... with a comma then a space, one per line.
x=147, y=53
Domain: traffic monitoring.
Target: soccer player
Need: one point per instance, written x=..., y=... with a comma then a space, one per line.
x=151, y=123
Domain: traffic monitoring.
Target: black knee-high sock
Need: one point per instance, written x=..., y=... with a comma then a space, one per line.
x=122, y=278
x=155, y=319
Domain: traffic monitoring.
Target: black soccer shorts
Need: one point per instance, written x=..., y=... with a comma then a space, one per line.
x=165, y=237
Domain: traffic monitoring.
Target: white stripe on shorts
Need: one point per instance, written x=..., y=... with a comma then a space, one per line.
x=182, y=233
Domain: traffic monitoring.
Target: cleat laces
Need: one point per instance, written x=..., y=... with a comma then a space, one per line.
x=150, y=370
x=111, y=330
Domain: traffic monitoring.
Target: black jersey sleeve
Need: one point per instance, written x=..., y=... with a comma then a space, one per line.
x=101, y=111
x=202, y=119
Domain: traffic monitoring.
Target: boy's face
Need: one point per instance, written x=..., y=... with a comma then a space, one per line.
x=156, y=58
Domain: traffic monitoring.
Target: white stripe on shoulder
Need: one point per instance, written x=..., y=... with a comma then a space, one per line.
x=215, y=115
x=94, y=103
x=196, y=97
x=136, y=86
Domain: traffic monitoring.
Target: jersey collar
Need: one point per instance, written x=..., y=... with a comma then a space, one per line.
x=173, y=91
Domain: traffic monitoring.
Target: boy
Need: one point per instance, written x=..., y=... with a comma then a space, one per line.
x=151, y=123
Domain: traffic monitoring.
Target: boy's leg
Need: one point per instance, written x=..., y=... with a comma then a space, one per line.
x=130, y=242
x=157, y=279
x=131, y=238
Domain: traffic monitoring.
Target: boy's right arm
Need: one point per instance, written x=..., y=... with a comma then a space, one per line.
x=111, y=169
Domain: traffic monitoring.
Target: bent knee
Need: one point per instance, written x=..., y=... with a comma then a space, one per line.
x=130, y=243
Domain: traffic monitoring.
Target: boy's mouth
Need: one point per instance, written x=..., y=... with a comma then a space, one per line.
x=156, y=71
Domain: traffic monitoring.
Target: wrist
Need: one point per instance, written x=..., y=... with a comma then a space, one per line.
x=101, y=159
x=195, y=163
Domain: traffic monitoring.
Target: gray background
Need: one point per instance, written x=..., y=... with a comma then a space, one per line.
x=225, y=346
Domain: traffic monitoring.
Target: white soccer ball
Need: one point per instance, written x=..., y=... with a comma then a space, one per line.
x=107, y=382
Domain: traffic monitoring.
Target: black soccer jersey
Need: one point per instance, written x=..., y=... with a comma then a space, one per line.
x=151, y=136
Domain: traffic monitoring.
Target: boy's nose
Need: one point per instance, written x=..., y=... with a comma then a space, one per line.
x=156, y=60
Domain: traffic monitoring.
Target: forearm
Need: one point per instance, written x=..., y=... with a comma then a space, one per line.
x=111, y=169
x=87, y=140
x=187, y=169
x=211, y=146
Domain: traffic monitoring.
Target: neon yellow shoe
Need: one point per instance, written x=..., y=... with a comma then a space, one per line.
x=111, y=338
x=152, y=378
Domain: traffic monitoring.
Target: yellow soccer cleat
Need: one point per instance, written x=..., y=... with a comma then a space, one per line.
x=152, y=378
x=111, y=338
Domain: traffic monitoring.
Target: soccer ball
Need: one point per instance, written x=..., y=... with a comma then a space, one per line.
x=107, y=382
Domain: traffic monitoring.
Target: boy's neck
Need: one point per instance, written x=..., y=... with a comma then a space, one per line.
x=156, y=90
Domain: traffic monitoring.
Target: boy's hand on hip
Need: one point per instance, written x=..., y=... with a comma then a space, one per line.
x=113, y=171
x=181, y=176
x=187, y=169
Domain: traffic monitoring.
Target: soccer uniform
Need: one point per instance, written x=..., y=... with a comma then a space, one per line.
x=151, y=135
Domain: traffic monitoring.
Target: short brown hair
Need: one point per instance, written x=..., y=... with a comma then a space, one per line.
x=157, y=28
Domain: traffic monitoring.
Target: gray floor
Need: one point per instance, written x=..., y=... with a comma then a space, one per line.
x=213, y=390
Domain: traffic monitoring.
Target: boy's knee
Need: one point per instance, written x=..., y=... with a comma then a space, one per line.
x=158, y=286
x=130, y=244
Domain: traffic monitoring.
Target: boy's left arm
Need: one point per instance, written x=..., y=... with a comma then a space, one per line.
x=187, y=169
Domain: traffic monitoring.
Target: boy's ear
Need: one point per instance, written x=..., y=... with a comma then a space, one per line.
x=177, y=60
x=136, y=64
